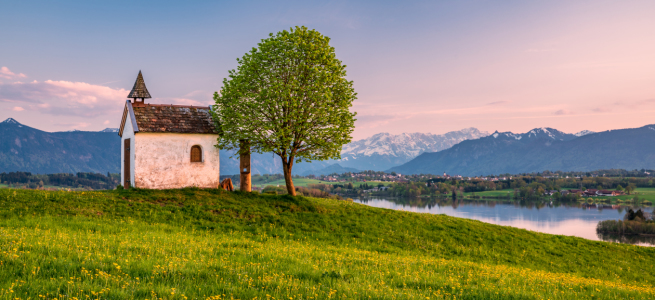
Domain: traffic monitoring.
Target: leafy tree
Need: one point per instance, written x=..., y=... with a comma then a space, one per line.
x=289, y=96
x=630, y=188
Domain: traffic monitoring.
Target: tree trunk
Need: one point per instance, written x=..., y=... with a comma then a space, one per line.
x=286, y=166
x=244, y=165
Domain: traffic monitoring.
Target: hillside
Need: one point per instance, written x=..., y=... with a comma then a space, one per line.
x=539, y=150
x=212, y=244
x=23, y=148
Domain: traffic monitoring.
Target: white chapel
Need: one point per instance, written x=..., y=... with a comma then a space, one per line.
x=165, y=146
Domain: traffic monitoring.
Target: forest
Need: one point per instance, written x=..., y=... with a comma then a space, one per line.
x=88, y=181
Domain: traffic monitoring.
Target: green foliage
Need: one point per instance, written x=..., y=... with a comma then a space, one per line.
x=93, y=181
x=289, y=96
x=199, y=243
x=626, y=227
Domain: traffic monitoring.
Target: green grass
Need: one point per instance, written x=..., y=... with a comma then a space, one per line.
x=647, y=194
x=305, y=181
x=644, y=194
x=211, y=244
x=497, y=193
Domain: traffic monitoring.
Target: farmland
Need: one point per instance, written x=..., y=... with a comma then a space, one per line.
x=211, y=244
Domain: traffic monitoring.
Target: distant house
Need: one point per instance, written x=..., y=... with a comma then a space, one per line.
x=609, y=193
x=576, y=191
x=590, y=192
x=167, y=146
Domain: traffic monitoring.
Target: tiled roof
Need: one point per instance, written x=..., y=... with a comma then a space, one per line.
x=173, y=118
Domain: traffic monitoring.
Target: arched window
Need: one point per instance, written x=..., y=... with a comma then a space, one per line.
x=196, y=154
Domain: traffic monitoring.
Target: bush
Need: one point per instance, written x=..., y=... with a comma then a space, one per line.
x=625, y=227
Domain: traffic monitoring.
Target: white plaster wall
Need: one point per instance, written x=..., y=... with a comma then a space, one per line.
x=128, y=133
x=163, y=161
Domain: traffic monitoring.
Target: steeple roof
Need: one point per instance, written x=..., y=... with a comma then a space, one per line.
x=139, y=90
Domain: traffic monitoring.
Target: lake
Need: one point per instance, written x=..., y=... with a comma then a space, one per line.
x=574, y=219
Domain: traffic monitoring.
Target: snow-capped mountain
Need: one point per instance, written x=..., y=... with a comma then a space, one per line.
x=383, y=150
x=538, y=150
x=378, y=152
x=537, y=133
x=11, y=121
x=584, y=132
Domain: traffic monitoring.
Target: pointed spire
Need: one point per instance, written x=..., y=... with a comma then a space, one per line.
x=139, y=90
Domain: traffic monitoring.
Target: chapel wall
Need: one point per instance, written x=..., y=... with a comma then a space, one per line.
x=128, y=133
x=163, y=161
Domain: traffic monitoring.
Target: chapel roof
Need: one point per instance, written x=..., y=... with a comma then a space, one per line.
x=167, y=118
x=174, y=118
x=139, y=90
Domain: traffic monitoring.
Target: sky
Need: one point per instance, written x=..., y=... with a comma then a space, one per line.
x=417, y=66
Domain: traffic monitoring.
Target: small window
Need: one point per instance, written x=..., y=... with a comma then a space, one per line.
x=196, y=154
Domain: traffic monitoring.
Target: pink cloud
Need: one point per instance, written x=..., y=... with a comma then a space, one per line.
x=499, y=102
x=562, y=112
x=74, y=125
x=8, y=74
x=374, y=120
x=601, y=109
x=18, y=108
x=64, y=97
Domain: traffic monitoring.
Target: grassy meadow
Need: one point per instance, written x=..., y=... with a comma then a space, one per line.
x=306, y=181
x=498, y=193
x=211, y=244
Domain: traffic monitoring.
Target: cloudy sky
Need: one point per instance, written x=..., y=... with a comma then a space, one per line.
x=432, y=66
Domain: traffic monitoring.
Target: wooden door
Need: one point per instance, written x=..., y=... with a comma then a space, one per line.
x=126, y=163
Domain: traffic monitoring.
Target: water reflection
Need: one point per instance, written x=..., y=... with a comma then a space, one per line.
x=628, y=239
x=574, y=219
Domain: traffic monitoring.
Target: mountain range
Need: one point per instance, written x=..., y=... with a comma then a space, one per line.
x=383, y=150
x=539, y=150
x=378, y=153
x=23, y=148
x=466, y=152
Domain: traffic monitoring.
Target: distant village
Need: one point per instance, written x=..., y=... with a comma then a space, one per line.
x=557, y=185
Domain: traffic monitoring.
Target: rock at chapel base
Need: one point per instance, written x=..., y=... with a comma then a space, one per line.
x=226, y=184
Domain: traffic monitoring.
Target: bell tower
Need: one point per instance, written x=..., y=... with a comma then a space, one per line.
x=139, y=91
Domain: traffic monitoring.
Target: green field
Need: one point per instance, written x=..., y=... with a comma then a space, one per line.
x=498, y=193
x=305, y=181
x=211, y=244
x=647, y=194
x=642, y=193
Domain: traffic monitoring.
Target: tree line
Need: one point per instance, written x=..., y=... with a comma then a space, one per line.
x=95, y=181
